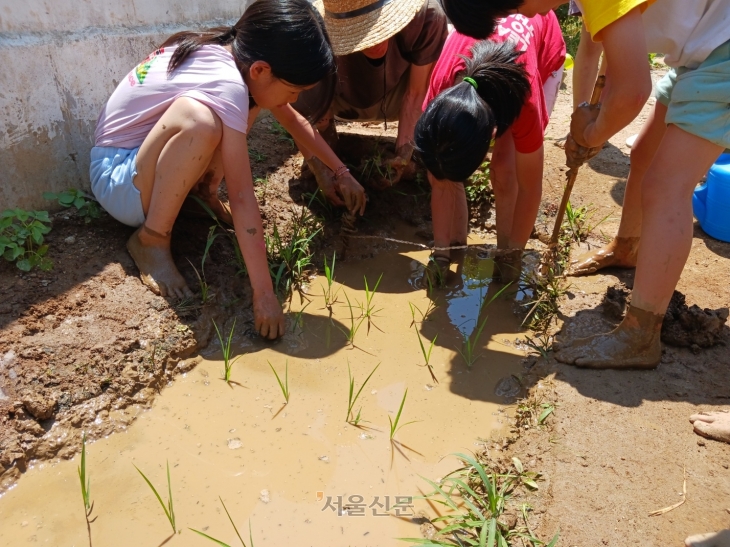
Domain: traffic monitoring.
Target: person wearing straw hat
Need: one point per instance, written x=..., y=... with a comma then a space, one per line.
x=385, y=52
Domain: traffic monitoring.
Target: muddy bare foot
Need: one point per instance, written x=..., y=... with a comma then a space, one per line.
x=620, y=252
x=713, y=539
x=635, y=343
x=151, y=254
x=713, y=425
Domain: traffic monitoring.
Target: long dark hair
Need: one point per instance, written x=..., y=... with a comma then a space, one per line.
x=289, y=35
x=452, y=136
x=478, y=18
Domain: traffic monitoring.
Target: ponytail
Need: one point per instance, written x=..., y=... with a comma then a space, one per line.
x=452, y=136
x=289, y=35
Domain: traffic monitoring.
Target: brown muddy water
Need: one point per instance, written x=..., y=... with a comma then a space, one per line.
x=289, y=469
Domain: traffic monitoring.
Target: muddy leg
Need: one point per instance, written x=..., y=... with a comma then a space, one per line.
x=713, y=425
x=207, y=188
x=714, y=539
x=635, y=343
x=623, y=250
x=172, y=159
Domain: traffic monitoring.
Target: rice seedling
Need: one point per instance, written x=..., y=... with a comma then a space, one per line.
x=427, y=354
x=299, y=318
x=577, y=220
x=169, y=508
x=354, y=324
x=470, y=342
x=85, y=488
x=226, y=349
x=424, y=315
x=283, y=385
x=203, y=284
x=352, y=398
x=476, y=497
x=330, y=298
x=290, y=260
x=394, y=423
x=219, y=542
x=231, y=234
x=367, y=309
x=376, y=167
x=435, y=276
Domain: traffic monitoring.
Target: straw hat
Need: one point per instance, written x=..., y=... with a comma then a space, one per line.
x=354, y=25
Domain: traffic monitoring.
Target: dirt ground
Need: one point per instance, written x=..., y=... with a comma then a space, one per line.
x=87, y=347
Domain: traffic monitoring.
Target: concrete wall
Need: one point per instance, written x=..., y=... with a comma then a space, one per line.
x=59, y=62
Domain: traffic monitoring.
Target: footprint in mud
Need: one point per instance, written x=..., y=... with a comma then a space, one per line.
x=509, y=386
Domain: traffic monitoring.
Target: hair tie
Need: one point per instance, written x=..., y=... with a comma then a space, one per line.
x=471, y=81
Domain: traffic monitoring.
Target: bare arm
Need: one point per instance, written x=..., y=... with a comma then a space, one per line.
x=628, y=81
x=411, y=107
x=268, y=315
x=448, y=212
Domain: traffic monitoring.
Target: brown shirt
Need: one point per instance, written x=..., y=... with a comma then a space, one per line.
x=363, y=82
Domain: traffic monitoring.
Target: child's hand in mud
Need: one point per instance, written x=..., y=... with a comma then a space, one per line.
x=352, y=194
x=268, y=315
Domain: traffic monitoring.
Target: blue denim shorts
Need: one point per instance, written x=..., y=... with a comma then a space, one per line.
x=112, y=173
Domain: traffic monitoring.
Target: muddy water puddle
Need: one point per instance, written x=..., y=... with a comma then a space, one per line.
x=299, y=472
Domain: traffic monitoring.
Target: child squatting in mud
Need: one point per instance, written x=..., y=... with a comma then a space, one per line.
x=503, y=88
x=177, y=124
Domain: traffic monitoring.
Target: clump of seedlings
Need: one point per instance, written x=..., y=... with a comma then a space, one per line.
x=86, y=206
x=477, y=498
x=578, y=221
x=427, y=353
x=352, y=398
x=22, y=236
x=330, y=295
x=226, y=350
x=219, y=542
x=285, y=384
x=424, y=315
x=86, y=488
x=367, y=309
x=169, y=508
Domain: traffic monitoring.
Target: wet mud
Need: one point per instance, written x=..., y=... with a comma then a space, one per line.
x=298, y=471
x=683, y=326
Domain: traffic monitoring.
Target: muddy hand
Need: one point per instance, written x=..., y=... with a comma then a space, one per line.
x=577, y=149
x=151, y=253
x=268, y=315
x=397, y=165
x=325, y=180
x=576, y=155
x=352, y=193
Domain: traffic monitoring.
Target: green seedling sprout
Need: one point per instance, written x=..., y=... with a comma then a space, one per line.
x=476, y=497
x=168, y=509
x=203, y=284
x=283, y=385
x=367, y=309
x=298, y=318
x=427, y=354
x=394, y=427
x=471, y=342
x=354, y=325
x=354, y=396
x=226, y=349
x=85, y=488
x=219, y=542
x=330, y=298
x=424, y=315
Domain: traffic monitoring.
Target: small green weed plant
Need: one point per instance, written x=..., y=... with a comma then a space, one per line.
x=478, y=189
x=281, y=133
x=285, y=384
x=22, y=236
x=86, y=207
x=475, y=498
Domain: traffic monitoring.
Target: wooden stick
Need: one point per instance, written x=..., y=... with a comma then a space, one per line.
x=573, y=172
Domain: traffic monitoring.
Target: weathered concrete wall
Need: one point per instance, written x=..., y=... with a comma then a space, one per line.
x=59, y=62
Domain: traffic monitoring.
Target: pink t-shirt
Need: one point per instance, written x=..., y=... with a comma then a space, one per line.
x=208, y=75
x=540, y=40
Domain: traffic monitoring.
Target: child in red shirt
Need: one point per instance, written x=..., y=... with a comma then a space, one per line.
x=517, y=159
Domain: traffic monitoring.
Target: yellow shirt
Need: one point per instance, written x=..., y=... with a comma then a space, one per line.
x=598, y=14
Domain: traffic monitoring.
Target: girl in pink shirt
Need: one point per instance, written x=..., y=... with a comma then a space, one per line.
x=510, y=87
x=177, y=124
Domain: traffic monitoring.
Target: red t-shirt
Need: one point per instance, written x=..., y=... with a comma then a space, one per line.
x=540, y=40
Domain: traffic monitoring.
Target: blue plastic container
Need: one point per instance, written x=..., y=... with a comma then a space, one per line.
x=711, y=200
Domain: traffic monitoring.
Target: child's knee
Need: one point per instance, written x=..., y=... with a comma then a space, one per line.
x=197, y=117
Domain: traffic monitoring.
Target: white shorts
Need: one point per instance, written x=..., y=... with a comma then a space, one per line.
x=112, y=173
